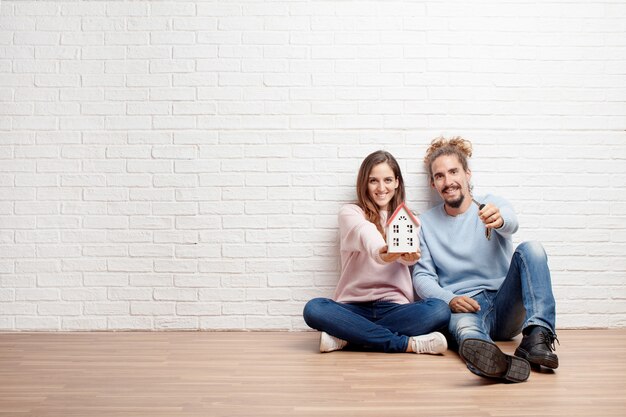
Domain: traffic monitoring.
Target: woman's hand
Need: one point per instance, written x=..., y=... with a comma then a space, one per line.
x=388, y=257
x=392, y=257
x=411, y=257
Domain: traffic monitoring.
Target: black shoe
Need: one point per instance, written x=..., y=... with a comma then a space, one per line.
x=486, y=359
x=537, y=348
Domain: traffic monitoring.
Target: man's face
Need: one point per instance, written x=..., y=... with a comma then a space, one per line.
x=450, y=180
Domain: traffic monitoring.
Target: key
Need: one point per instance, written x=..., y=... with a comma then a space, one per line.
x=487, y=230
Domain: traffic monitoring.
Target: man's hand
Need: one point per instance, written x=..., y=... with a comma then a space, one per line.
x=464, y=304
x=388, y=257
x=490, y=215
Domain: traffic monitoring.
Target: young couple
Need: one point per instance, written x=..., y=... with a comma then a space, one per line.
x=470, y=281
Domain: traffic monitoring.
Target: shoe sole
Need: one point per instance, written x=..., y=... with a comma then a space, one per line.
x=327, y=343
x=490, y=361
x=549, y=361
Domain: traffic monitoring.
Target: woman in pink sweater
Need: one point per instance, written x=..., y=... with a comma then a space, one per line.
x=374, y=307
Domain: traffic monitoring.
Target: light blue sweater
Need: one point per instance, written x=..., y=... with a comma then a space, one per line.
x=457, y=259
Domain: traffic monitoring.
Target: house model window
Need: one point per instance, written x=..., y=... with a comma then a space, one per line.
x=402, y=227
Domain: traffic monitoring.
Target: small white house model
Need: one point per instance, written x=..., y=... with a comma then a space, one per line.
x=402, y=227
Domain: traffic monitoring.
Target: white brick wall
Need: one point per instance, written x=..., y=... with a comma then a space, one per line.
x=179, y=164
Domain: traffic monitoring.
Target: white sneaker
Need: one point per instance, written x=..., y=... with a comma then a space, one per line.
x=330, y=343
x=433, y=343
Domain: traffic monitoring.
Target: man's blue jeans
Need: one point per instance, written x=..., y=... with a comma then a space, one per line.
x=376, y=326
x=524, y=299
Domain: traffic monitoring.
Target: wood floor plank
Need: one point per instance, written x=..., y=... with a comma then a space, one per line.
x=282, y=374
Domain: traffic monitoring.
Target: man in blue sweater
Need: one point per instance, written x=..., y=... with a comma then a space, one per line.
x=495, y=291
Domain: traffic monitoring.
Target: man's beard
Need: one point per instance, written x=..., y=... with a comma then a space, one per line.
x=455, y=203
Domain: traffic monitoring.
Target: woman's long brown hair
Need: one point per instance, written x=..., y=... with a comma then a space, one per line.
x=372, y=213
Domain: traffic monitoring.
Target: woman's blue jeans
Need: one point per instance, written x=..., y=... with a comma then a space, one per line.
x=376, y=326
x=524, y=299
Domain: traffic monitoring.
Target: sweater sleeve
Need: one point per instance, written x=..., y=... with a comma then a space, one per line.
x=425, y=280
x=358, y=234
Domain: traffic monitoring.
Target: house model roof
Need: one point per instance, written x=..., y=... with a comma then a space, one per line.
x=398, y=209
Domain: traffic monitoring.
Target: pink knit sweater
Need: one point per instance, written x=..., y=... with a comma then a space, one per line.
x=364, y=275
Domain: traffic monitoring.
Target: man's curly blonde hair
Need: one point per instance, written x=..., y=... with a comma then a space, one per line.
x=456, y=145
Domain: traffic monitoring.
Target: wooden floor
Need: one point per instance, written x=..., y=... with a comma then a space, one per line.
x=282, y=374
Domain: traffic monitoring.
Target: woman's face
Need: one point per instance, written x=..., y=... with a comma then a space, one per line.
x=381, y=185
